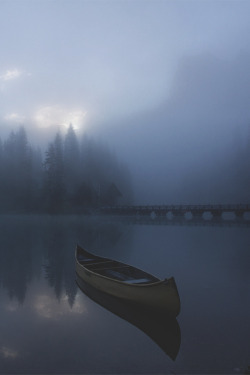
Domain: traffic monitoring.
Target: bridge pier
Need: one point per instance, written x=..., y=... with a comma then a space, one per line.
x=175, y=213
x=162, y=213
x=197, y=214
x=217, y=214
x=239, y=214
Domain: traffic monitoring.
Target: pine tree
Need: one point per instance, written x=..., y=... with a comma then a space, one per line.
x=54, y=190
x=71, y=163
x=17, y=171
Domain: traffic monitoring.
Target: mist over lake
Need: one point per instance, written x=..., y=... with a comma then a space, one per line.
x=125, y=129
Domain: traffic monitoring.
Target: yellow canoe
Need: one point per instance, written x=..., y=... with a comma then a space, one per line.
x=128, y=283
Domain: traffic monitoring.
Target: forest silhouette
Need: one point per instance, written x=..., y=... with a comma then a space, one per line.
x=72, y=176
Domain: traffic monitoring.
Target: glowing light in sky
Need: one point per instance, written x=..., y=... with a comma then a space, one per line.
x=56, y=116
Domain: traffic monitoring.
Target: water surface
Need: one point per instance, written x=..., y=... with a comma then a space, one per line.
x=48, y=325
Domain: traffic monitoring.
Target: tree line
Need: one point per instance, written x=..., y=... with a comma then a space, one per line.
x=72, y=176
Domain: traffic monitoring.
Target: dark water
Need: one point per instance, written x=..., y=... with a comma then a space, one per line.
x=49, y=326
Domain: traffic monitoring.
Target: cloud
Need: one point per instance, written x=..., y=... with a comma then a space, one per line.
x=14, y=117
x=11, y=74
x=12, y=306
x=48, y=308
x=8, y=352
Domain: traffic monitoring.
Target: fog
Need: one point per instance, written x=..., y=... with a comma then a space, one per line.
x=195, y=141
x=164, y=84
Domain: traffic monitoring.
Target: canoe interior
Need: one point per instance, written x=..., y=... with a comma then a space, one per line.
x=113, y=269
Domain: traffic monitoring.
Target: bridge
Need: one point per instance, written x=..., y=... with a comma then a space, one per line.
x=195, y=211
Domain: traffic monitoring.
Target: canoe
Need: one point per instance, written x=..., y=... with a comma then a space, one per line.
x=164, y=330
x=128, y=283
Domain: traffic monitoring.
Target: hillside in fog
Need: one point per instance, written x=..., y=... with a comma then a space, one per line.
x=193, y=147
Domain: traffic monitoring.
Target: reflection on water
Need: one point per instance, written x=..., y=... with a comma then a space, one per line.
x=28, y=241
x=165, y=331
x=48, y=325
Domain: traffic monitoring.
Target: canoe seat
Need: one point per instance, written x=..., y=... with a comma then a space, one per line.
x=138, y=281
x=108, y=264
x=83, y=259
x=123, y=276
x=90, y=261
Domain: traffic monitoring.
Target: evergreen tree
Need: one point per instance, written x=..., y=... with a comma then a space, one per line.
x=71, y=161
x=1, y=151
x=17, y=171
x=37, y=173
x=1, y=173
x=54, y=190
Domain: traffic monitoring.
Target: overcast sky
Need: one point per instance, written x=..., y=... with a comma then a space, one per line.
x=150, y=74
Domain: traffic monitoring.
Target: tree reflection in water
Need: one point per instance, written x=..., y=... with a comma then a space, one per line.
x=35, y=246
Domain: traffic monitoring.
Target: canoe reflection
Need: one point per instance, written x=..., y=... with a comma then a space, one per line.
x=162, y=329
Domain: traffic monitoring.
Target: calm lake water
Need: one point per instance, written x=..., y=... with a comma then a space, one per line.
x=48, y=325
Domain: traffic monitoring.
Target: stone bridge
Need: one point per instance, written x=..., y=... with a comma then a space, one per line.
x=197, y=211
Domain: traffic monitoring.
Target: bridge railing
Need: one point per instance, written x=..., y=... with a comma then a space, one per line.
x=182, y=206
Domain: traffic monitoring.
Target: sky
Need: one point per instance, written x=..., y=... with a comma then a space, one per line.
x=164, y=82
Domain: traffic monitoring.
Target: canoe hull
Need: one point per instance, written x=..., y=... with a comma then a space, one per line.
x=161, y=295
